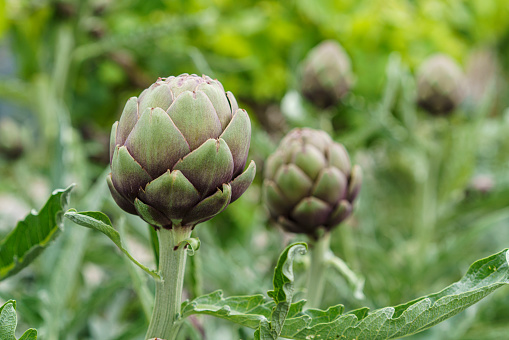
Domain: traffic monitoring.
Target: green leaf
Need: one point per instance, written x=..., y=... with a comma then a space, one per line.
x=247, y=311
x=99, y=221
x=283, y=273
x=30, y=334
x=8, y=320
x=264, y=332
x=283, y=288
x=32, y=235
x=192, y=244
x=483, y=277
x=8, y=323
x=255, y=311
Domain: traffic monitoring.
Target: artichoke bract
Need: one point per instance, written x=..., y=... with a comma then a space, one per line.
x=440, y=85
x=178, y=152
x=309, y=182
x=326, y=74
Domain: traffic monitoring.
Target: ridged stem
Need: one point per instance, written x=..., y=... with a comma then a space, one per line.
x=316, y=273
x=164, y=323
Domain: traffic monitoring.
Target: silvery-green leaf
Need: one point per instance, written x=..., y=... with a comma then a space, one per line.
x=34, y=234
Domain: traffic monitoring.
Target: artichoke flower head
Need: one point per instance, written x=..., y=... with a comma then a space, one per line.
x=310, y=183
x=440, y=85
x=326, y=74
x=178, y=152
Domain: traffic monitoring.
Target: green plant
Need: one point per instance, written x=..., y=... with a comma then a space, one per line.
x=310, y=187
x=326, y=74
x=177, y=159
x=66, y=67
x=440, y=85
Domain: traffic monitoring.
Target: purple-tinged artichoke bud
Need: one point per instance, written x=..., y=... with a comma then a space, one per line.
x=440, y=87
x=482, y=184
x=12, y=138
x=310, y=183
x=326, y=74
x=178, y=152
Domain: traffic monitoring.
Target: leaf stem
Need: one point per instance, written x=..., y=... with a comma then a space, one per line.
x=316, y=273
x=165, y=323
x=357, y=283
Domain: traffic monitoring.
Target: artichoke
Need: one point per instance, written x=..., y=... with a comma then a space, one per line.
x=309, y=182
x=326, y=74
x=178, y=152
x=13, y=138
x=439, y=85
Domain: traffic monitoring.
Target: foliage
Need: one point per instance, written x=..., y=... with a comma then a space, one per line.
x=32, y=235
x=8, y=323
x=67, y=67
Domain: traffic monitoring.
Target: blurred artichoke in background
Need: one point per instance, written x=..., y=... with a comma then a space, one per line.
x=440, y=87
x=12, y=138
x=481, y=184
x=178, y=152
x=309, y=182
x=326, y=74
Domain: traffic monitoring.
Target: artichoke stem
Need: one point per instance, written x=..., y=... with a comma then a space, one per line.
x=316, y=272
x=165, y=322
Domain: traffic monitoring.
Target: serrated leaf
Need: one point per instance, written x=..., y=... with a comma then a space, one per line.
x=264, y=331
x=32, y=235
x=247, y=311
x=483, y=277
x=254, y=311
x=9, y=321
x=99, y=221
x=283, y=288
x=283, y=273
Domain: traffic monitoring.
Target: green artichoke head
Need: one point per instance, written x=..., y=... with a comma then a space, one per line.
x=309, y=182
x=440, y=85
x=326, y=74
x=178, y=152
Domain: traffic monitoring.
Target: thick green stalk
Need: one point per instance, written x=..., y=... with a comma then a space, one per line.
x=172, y=263
x=316, y=272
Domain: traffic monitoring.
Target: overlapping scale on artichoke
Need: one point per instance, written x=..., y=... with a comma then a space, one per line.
x=326, y=74
x=178, y=152
x=440, y=85
x=309, y=182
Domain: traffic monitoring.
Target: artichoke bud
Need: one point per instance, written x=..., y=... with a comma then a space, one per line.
x=13, y=138
x=326, y=74
x=440, y=85
x=481, y=184
x=178, y=152
x=309, y=182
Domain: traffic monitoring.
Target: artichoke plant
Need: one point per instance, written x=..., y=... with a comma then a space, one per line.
x=13, y=138
x=178, y=152
x=440, y=87
x=309, y=182
x=326, y=74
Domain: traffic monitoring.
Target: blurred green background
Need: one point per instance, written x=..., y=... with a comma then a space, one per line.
x=435, y=196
